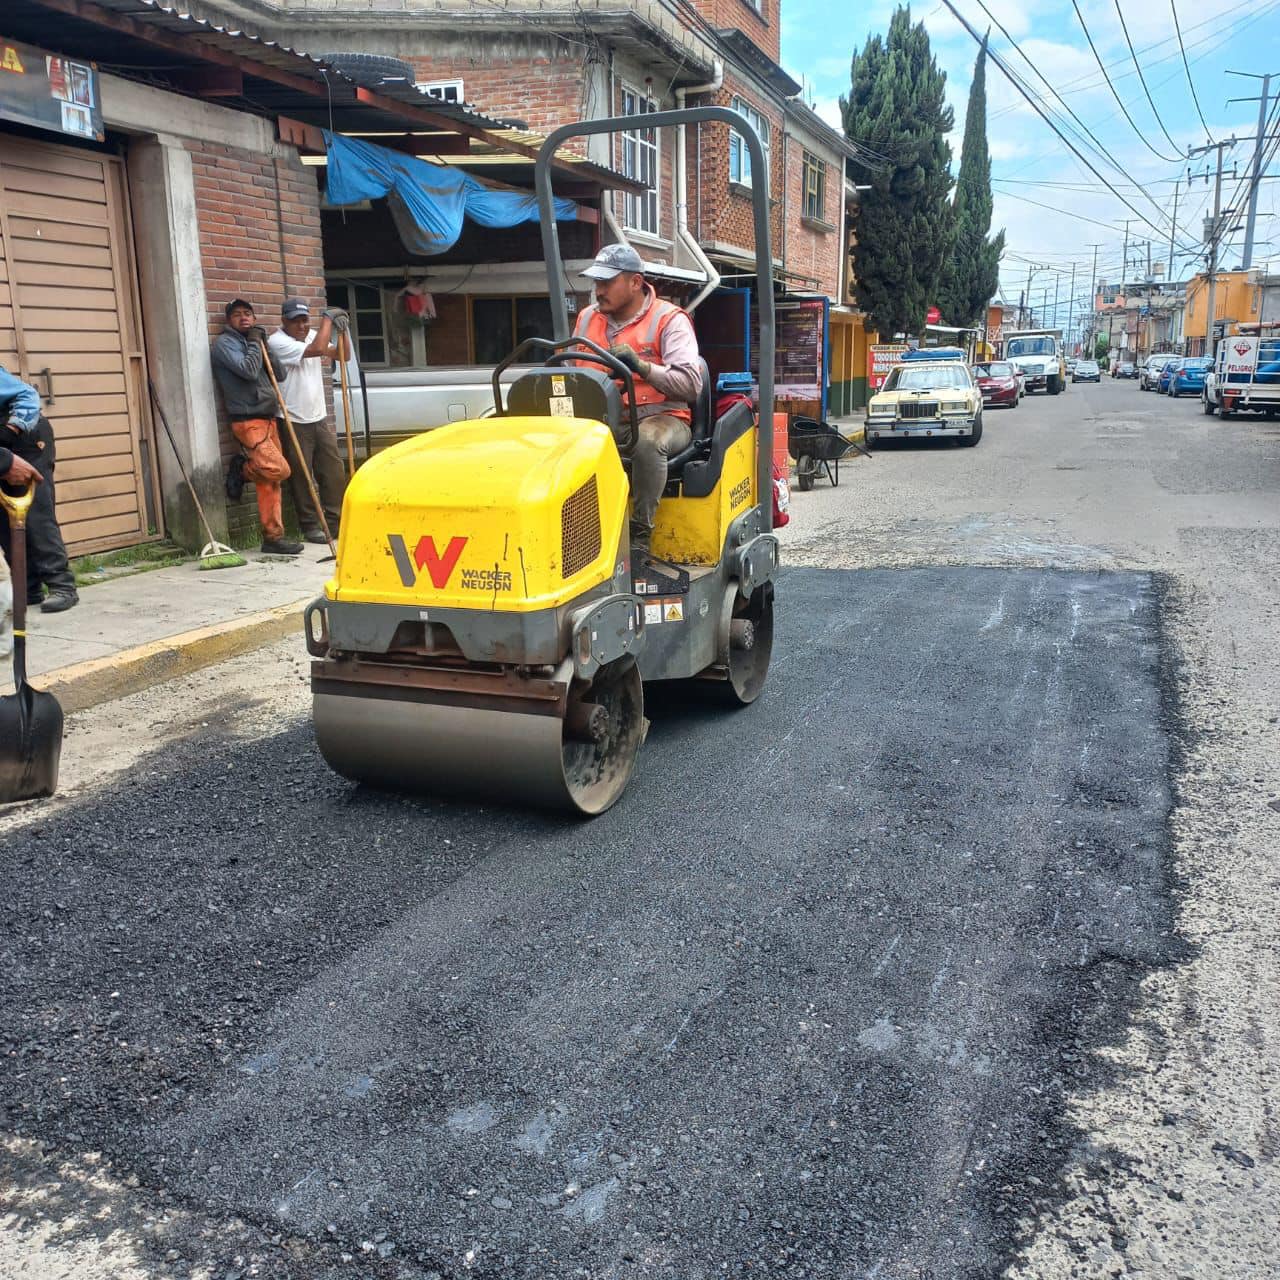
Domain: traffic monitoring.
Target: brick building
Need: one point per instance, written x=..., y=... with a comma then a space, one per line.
x=548, y=63
x=135, y=203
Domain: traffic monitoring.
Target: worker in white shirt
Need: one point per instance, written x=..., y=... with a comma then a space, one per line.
x=302, y=351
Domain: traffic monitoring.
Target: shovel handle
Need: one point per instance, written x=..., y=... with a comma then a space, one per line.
x=19, y=506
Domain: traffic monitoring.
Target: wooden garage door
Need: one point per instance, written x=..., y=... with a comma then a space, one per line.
x=69, y=323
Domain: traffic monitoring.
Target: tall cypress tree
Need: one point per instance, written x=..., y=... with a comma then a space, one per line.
x=972, y=272
x=897, y=114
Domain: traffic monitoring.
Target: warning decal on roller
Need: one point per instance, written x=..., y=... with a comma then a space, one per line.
x=652, y=613
x=672, y=611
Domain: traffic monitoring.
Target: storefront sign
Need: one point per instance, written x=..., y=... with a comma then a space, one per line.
x=881, y=357
x=799, y=365
x=48, y=91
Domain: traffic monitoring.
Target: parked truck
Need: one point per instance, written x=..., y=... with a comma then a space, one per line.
x=1039, y=357
x=1245, y=376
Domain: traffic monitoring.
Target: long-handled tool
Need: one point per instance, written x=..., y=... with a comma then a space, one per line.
x=297, y=450
x=214, y=554
x=30, y=719
x=343, y=354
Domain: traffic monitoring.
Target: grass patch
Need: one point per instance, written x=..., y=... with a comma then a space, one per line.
x=127, y=561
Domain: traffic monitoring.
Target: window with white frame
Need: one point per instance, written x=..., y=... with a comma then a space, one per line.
x=640, y=159
x=815, y=188
x=739, y=156
x=444, y=90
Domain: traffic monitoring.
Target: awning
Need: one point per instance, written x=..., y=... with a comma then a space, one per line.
x=427, y=201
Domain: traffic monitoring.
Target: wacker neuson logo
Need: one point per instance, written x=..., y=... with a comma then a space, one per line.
x=439, y=565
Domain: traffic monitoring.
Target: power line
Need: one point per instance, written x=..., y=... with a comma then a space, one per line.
x=1191, y=84
x=1137, y=66
x=1215, y=39
x=1097, y=58
x=1015, y=81
x=1098, y=147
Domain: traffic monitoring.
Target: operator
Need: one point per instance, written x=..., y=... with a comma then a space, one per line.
x=655, y=340
x=27, y=454
x=299, y=348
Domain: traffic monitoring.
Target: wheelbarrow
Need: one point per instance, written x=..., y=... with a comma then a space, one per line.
x=817, y=447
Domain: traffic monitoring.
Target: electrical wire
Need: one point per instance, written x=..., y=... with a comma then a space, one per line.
x=1137, y=66
x=1216, y=38
x=1191, y=84
x=1175, y=159
x=1098, y=147
x=1016, y=82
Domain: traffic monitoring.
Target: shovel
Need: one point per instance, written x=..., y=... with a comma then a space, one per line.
x=30, y=720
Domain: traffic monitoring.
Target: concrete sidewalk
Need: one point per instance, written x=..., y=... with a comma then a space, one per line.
x=132, y=632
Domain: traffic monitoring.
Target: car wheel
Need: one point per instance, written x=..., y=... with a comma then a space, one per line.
x=1206, y=405
x=970, y=440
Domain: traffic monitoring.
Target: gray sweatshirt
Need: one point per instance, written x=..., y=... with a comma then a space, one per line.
x=246, y=388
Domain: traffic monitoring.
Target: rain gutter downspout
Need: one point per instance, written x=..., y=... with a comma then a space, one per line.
x=684, y=237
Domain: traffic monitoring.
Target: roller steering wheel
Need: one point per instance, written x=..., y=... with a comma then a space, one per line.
x=562, y=352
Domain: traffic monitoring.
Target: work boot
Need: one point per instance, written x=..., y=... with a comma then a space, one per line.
x=640, y=539
x=35, y=595
x=314, y=535
x=59, y=601
x=280, y=547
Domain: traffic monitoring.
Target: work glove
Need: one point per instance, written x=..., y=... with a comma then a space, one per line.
x=339, y=318
x=256, y=334
x=626, y=354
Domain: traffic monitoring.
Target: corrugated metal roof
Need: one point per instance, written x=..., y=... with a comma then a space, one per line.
x=115, y=38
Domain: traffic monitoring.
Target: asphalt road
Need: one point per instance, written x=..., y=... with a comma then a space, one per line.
x=810, y=1000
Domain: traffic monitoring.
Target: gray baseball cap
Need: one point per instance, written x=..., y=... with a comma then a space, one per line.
x=293, y=308
x=612, y=261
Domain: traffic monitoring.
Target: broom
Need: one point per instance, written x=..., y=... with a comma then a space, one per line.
x=214, y=554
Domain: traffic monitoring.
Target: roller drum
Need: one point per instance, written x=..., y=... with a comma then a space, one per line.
x=505, y=756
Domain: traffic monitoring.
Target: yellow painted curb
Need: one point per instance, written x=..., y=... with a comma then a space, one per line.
x=858, y=437
x=86, y=684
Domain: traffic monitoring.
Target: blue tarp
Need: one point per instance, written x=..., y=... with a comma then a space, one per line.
x=429, y=201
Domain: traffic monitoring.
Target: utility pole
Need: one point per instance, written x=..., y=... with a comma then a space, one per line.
x=1071, y=308
x=1057, y=280
x=1214, y=237
x=1173, y=229
x=1093, y=291
x=1256, y=180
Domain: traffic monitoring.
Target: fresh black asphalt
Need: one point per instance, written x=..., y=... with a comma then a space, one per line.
x=806, y=1002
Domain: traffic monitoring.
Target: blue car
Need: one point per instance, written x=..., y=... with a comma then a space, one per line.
x=1186, y=377
x=1166, y=375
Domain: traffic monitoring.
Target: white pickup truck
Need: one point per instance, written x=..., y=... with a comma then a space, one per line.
x=1246, y=373
x=406, y=402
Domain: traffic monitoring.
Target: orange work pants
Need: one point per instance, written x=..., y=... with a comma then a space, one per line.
x=267, y=468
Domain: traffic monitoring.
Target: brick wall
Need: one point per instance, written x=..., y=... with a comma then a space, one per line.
x=761, y=21
x=543, y=85
x=812, y=248
x=259, y=220
x=718, y=211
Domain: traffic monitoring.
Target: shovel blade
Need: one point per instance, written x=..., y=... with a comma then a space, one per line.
x=30, y=744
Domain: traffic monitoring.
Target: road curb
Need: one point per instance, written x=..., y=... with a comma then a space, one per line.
x=87, y=684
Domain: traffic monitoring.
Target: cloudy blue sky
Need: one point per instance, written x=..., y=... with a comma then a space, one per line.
x=1053, y=209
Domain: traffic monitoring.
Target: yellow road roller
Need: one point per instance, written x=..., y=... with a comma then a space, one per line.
x=487, y=631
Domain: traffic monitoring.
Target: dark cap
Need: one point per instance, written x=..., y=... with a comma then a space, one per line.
x=613, y=260
x=293, y=308
x=237, y=302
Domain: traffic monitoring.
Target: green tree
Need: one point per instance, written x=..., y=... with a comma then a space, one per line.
x=896, y=114
x=971, y=273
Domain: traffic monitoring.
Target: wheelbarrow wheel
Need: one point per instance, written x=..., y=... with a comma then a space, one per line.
x=806, y=470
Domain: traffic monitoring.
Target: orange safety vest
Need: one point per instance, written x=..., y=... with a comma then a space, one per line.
x=644, y=336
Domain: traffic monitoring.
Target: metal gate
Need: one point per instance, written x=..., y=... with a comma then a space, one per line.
x=70, y=324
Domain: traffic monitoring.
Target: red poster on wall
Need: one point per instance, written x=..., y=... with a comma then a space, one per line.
x=881, y=357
